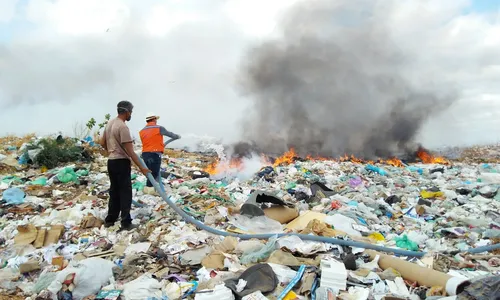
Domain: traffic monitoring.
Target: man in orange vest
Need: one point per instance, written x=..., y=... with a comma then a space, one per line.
x=153, y=146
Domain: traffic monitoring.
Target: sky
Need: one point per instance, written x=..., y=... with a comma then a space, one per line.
x=65, y=61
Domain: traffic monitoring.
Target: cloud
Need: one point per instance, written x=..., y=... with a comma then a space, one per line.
x=7, y=10
x=183, y=59
x=186, y=72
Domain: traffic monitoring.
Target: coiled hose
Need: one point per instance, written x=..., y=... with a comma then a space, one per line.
x=306, y=237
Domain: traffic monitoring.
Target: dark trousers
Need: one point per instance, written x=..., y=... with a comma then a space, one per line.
x=120, y=192
x=153, y=162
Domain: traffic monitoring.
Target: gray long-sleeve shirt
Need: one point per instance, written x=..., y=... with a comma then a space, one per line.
x=170, y=134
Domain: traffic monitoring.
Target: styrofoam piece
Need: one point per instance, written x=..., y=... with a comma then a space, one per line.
x=220, y=292
x=255, y=296
x=333, y=275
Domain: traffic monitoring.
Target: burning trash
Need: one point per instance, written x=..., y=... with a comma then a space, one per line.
x=237, y=164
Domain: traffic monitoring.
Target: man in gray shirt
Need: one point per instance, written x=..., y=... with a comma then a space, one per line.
x=117, y=141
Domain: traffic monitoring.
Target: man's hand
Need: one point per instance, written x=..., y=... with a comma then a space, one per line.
x=145, y=171
x=129, y=148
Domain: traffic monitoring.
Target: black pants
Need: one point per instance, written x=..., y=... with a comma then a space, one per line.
x=120, y=192
x=153, y=162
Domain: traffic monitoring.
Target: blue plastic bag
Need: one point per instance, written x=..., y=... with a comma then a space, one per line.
x=23, y=159
x=13, y=196
x=415, y=169
x=376, y=170
x=90, y=141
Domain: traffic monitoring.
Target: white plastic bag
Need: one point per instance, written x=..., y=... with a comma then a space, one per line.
x=90, y=275
x=260, y=224
x=492, y=178
x=342, y=223
x=144, y=287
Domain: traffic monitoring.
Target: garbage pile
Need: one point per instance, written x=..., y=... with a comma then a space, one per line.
x=344, y=229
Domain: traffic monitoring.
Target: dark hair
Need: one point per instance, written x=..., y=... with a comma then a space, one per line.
x=124, y=106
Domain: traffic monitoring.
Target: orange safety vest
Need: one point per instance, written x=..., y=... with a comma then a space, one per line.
x=152, y=140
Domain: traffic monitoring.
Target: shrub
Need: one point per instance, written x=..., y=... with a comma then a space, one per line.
x=56, y=151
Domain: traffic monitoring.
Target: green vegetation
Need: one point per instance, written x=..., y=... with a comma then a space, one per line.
x=54, y=152
x=92, y=123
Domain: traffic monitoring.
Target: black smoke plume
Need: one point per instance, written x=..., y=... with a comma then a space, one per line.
x=334, y=82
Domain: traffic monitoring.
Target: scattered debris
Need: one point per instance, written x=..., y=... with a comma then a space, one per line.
x=53, y=244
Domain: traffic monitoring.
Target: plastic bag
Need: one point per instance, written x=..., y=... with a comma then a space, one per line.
x=260, y=224
x=248, y=246
x=82, y=172
x=376, y=236
x=405, y=243
x=23, y=159
x=342, y=223
x=376, y=170
x=13, y=196
x=492, y=178
x=11, y=179
x=39, y=181
x=138, y=186
x=429, y=195
x=262, y=254
x=90, y=141
x=90, y=275
x=8, y=279
x=67, y=175
x=285, y=274
x=144, y=287
x=354, y=182
x=43, y=282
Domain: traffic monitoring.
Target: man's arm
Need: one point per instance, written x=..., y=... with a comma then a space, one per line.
x=126, y=141
x=129, y=148
x=170, y=134
x=103, y=141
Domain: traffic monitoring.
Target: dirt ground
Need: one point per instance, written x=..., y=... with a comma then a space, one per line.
x=2, y=297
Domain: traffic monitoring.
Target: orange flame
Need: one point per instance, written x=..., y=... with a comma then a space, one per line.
x=428, y=158
x=212, y=167
x=394, y=162
x=217, y=166
x=355, y=159
x=287, y=158
x=320, y=158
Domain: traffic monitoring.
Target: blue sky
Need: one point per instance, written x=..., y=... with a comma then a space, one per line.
x=484, y=6
x=17, y=26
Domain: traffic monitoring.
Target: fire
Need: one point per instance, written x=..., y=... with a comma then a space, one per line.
x=217, y=166
x=287, y=158
x=310, y=157
x=355, y=159
x=394, y=162
x=428, y=158
x=212, y=167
